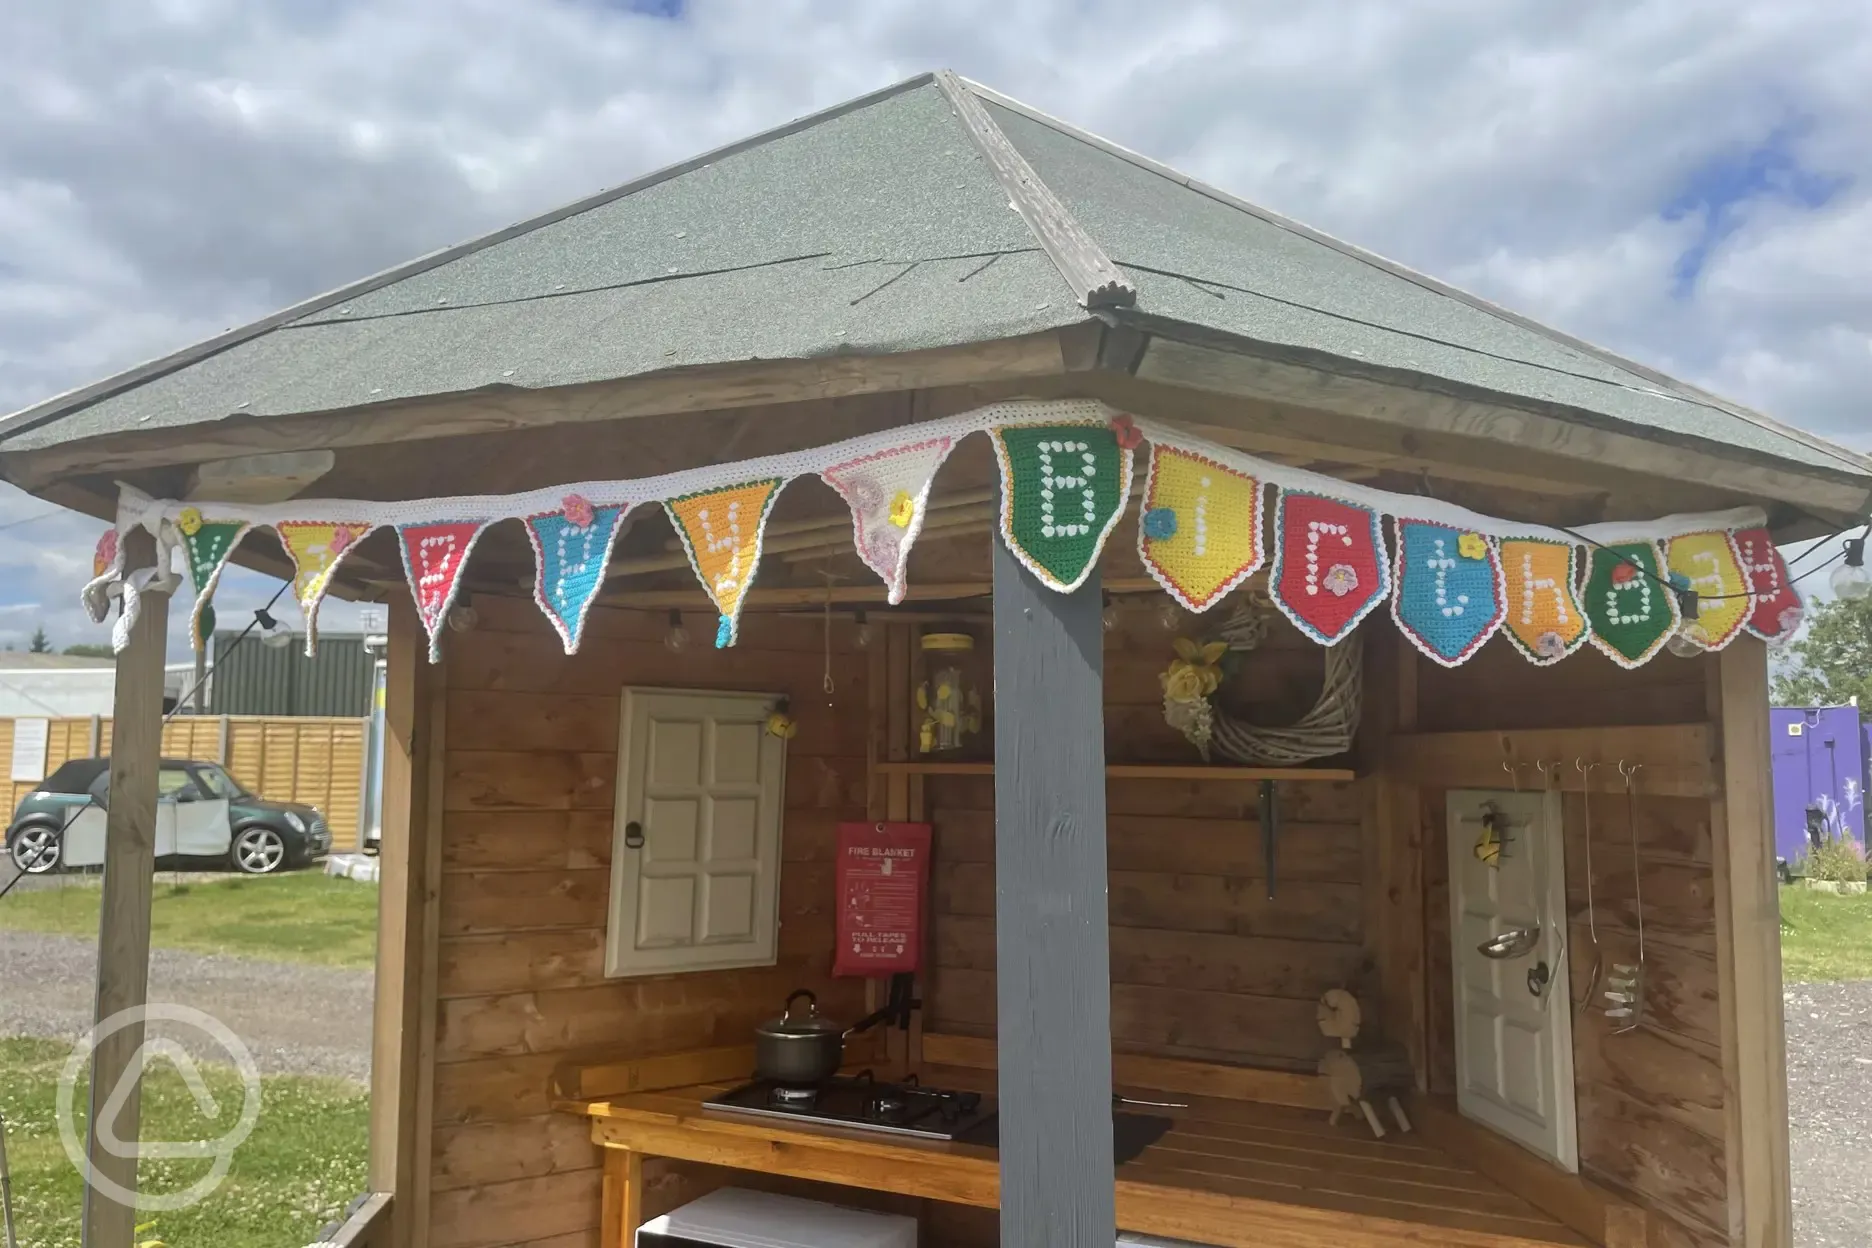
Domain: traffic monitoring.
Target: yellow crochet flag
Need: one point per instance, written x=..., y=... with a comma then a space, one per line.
x=1200, y=529
x=721, y=530
x=1546, y=619
x=1714, y=569
x=317, y=547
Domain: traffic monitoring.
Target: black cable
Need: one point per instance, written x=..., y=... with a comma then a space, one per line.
x=1676, y=589
x=210, y=670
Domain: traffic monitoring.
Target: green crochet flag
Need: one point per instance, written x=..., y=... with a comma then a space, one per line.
x=1063, y=487
x=207, y=543
x=1632, y=612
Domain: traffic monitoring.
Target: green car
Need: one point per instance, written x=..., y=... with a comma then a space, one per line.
x=203, y=816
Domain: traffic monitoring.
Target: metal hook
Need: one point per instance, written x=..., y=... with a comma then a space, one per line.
x=1514, y=773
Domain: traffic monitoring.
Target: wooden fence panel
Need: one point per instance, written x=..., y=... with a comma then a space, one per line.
x=317, y=761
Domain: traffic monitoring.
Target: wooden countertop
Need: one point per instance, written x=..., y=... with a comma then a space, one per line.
x=1234, y=1173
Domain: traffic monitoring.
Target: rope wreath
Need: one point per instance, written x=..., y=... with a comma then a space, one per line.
x=1195, y=674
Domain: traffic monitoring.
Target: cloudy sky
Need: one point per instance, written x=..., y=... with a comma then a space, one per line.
x=1685, y=181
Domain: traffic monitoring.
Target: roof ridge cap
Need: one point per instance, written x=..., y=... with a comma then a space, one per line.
x=79, y=397
x=1677, y=388
x=1094, y=280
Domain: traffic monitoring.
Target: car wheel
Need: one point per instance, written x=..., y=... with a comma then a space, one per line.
x=258, y=851
x=36, y=850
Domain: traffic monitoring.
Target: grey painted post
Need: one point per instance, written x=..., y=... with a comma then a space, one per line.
x=1052, y=954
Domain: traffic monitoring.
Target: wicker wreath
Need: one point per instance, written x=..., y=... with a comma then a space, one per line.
x=1194, y=676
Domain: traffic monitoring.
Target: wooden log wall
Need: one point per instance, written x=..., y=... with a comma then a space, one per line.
x=531, y=738
x=1203, y=965
x=1650, y=1102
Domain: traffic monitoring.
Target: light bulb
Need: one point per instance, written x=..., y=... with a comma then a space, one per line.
x=1850, y=579
x=278, y=639
x=677, y=638
x=463, y=618
x=1170, y=615
x=1681, y=645
x=1109, y=616
x=862, y=630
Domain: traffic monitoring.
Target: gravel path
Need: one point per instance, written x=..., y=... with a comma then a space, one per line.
x=1829, y=1039
x=296, y=1019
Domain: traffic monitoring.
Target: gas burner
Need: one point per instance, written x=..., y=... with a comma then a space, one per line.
x=863, y=1102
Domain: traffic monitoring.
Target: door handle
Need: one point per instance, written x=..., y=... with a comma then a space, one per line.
x=633, y=835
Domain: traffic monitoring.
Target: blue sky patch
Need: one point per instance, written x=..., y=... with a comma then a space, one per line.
x=1717, y=190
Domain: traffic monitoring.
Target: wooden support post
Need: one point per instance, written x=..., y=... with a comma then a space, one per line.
x=623, y=1197
x=1748, y=954
x=1052, y=955
x=409, y=890
x=124, y=919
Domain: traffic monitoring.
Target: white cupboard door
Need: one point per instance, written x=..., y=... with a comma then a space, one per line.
x=1514, y=1046
x=695, y=865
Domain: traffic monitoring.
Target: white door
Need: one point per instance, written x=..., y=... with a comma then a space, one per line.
x=695, y=865
x=1514, y=1034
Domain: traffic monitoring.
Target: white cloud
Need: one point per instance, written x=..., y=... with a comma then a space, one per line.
x=168, y=170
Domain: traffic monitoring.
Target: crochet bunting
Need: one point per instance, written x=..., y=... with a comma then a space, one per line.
x=888, y=493
x=206, y=544
x=1450, y=595
x=1632, y=614
x=1710, y=562
x=722, y=532
x=434, y=554
x=1546, y=620
x=1063, y=487
x=571, y=549
x=1200, y=531
x=1329, y=566
x=317, y=548
x=1776, y=613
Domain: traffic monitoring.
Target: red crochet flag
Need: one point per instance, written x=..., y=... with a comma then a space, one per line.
x=1329, y=565
x=1777, y=611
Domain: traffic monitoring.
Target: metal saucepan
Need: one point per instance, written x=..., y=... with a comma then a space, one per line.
x=803, y=1047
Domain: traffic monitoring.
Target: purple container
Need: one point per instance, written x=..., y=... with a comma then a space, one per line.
x=1819, y=756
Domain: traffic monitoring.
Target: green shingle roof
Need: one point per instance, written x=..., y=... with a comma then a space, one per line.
x=877, y=226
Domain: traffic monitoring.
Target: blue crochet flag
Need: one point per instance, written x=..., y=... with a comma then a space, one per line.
x=1450, y=598
x=571, y=560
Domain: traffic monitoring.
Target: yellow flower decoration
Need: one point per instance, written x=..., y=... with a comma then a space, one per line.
x=780, y=724
x=1472, y=546
x=1196, y=672
x=903, y=509
x=189, y=521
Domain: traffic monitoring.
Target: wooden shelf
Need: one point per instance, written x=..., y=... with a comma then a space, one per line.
x=1139, y=771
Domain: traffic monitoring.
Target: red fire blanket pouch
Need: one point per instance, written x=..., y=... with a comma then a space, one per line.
x=883, y=877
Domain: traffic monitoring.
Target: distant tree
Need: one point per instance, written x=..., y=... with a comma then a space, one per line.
x=90, y=650
x=1832, y=662
x=39, y=643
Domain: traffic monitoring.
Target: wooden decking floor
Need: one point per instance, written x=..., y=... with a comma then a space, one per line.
x=1235, y=1173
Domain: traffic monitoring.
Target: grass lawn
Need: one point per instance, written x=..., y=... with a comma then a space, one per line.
x=1825, y=937
x=304, y=1161
x=300, y=916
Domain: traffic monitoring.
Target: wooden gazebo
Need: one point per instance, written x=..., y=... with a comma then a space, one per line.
x=515, y=442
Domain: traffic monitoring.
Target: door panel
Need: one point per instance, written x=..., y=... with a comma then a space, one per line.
x=700, y=777
x=1514, y=1048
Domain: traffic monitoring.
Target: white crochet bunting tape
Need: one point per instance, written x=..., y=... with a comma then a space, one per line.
x=888, y=493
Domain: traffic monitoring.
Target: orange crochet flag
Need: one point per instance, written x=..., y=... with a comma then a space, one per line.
x=1546, y=620
x=721, y=530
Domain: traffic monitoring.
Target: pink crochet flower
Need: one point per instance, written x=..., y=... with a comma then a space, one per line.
x=106, y=553
x=1127, y=431
x=578, y=511
x=341, y=539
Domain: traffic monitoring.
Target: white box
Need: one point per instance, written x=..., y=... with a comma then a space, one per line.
x=737, y=1218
